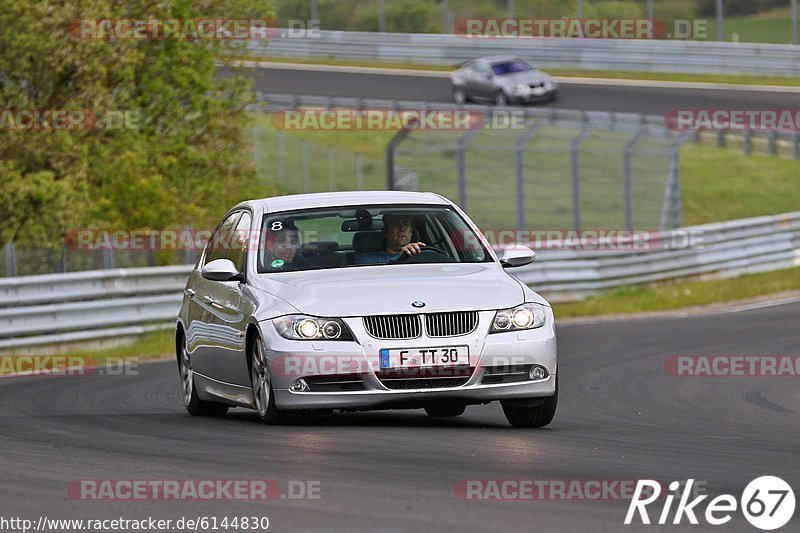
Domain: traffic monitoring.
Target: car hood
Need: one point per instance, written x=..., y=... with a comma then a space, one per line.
x=526, y=77
x=386, y=289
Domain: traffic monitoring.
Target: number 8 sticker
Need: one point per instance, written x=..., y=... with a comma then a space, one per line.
x=768, y=502
x=276, y=226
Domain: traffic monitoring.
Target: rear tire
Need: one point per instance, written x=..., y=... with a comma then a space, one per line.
x=263, y=396
x=445, y=411
x=533, y=417
x=459, y=95
x=194, y=405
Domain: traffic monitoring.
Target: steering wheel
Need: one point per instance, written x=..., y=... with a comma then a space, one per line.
x=425, y=249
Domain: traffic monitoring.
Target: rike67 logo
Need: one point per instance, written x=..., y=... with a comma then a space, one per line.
x=767, y=503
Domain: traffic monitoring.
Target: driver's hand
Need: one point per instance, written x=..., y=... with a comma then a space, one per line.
x=413, y=248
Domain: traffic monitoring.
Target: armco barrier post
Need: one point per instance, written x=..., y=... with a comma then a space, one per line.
x=772, y=144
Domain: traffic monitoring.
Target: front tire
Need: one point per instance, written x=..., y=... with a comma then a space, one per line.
x=500, y=98
x=533, y=417
x=194, y=405
x=445, y=411
x=263, y=396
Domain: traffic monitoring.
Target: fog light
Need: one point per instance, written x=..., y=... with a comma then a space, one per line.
x=299, y=385
x=537, y=372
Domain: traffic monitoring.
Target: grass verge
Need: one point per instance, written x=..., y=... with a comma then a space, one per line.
x=735, y=79
x=681, y=294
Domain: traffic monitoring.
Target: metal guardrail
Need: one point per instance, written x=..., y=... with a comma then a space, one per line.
x=37, y=311
x=56, y=309
x=724, y=249
x=586, y=54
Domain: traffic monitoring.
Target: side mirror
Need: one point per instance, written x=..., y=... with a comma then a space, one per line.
x=517, y=255
x=221, y=270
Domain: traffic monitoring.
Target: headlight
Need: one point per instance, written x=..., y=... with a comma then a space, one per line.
x=522, y=89
x=525, y=316
x=310, y=328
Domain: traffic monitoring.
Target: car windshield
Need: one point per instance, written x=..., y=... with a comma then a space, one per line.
x=510, y=67
x=352, y=236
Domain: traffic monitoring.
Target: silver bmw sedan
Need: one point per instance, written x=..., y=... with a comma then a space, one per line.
x=357, y=301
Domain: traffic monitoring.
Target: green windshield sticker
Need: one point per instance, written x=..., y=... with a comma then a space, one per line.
x=278, y=263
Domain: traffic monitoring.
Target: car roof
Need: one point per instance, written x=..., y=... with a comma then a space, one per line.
x=500, y=59
x=333, y=199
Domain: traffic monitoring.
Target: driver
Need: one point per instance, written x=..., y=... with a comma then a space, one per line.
x=397, y=232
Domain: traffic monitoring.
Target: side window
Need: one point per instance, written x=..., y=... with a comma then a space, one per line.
x=220, y=241
x=240, y=242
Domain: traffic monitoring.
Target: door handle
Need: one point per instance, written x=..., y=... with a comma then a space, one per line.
x=208, y=299
x=189, y=292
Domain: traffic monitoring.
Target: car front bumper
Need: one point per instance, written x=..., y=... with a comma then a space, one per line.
x=489, y=355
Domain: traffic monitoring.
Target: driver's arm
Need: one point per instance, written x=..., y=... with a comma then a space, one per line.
x=413, y=248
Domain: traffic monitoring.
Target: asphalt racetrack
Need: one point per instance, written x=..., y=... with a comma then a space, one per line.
x=621, y=417
x=613, y=96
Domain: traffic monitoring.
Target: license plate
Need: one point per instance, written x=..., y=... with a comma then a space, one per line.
x=424, y=357
x=538, y=91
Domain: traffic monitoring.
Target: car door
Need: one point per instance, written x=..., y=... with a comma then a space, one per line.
x=229, y=322
x=484, y=80
x=202, y=333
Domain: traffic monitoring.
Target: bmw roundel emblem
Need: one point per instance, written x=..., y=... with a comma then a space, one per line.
x=418, y=304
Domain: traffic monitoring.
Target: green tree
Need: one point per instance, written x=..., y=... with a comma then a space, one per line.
x=183, y=158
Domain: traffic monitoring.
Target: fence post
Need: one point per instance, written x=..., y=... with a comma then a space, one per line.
x=796, y=144
x=256, y=161
x=522, y=141
x=461, y=165
x=391, y=151
x=721, y=138
x=108, y=258
x=627, y=150
x=359, y=171
x=280, y=140
x=331, y=168
x=11, y=260
x=306, y=167
x=190, y=253
x=575, y=146
x=772, y=142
